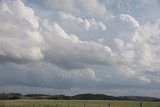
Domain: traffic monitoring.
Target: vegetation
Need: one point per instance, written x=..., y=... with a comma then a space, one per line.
x=11, y=96
x=5, y=96
x=75, y=103
x=81, y=100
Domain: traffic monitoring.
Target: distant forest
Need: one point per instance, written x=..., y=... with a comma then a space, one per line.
x=12, y=96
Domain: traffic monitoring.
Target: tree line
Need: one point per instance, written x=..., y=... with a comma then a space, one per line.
x=12, y=96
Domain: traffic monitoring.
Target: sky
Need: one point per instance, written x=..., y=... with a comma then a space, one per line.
x=80, y=46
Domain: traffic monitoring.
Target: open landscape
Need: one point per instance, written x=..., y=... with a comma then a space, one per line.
x=79, y=53
x=75, y=103
x=81, y=100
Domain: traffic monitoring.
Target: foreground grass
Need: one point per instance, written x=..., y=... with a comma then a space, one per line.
x=74, y=103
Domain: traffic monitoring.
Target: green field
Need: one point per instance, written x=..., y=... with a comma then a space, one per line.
x=74, y=103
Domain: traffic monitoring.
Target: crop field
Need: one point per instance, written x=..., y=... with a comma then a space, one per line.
x=75, y=103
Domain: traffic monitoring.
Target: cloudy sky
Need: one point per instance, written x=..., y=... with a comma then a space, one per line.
x=80, y=46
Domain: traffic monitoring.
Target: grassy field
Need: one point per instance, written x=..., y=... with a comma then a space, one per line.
x=74, y=103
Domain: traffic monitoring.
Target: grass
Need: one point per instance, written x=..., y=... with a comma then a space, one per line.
x=74, y=103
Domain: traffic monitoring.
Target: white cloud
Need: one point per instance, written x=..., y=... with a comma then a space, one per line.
x=66, y=50
x=129, y=19
x=4, y=8
x=100, y=40
x=142, y=78
x=127, y=70
x=119, y=43
x=86, y=23
x=19, y=38
x=143, y=10
x=133, y=47
x=22, y=11
x=81, y=7
x=76, y=45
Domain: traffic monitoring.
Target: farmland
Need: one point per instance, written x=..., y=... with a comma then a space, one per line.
x=74, y=103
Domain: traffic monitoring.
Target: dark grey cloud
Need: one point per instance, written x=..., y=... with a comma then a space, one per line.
x=44, y=75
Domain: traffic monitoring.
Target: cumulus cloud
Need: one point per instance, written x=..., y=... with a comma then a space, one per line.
x=66, y=50
x=143, y=10
x=78, y=44
x=81, y=7
x=20, y=39
x=86, y=23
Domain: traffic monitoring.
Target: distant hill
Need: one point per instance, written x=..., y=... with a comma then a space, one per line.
x=107, y=97
x=10, y=96
x=93, y=97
